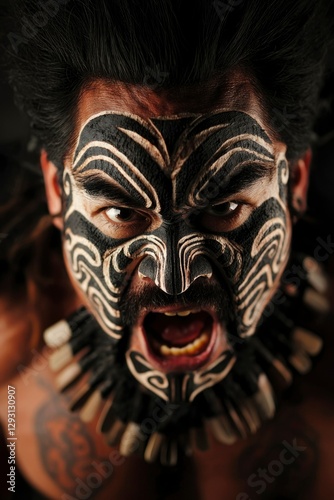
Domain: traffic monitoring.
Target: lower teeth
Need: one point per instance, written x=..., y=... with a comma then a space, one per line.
x=189, y=349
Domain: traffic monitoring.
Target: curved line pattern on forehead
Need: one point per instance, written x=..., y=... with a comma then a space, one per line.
x=144, y=122
x=192, y=135
x=149, y=122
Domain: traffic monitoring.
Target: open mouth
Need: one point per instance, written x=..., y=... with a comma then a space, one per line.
x=178, y=340
x=184, y=333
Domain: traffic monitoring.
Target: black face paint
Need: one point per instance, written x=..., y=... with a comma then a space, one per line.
x=176, y=170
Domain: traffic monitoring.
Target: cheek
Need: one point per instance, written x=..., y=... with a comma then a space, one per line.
x=81, y=296
x=265, y=246
x=83, y=249
x=72, y=264
x=99, y=268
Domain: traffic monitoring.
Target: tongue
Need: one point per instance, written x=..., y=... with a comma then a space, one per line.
x=177, y=331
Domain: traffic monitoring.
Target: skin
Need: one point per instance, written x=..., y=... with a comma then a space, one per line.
x=217, y=470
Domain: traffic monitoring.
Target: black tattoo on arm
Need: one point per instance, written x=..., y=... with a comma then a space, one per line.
x=67, y=449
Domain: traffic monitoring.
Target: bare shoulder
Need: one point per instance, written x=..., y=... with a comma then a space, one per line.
x=63, y=457
x=290, y=456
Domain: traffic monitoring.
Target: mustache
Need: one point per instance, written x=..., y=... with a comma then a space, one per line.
x=200, y=294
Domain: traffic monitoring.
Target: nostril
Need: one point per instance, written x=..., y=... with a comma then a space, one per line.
x=147, y=269
x=157, y=272
x=201, y=267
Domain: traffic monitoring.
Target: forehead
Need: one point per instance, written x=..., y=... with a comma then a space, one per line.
x=170, y=142
x=145, y=104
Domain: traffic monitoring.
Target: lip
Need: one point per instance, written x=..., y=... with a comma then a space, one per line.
x=182, y=363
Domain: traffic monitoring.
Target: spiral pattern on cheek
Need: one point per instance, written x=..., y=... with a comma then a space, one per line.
x=268, y=256
x=86, y=267
x=256, y=289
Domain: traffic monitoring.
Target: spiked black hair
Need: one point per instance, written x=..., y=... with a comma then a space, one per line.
x=57, y=47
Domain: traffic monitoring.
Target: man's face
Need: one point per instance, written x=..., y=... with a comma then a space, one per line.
x=176, y=231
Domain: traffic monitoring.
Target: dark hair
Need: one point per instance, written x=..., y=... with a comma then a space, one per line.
x=57, y=47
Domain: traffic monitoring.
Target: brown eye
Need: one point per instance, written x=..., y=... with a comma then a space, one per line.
x=223, y=209
x=123, y=222
x=121, y=215
x=223, y=217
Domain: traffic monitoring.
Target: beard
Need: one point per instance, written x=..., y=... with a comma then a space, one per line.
x=150, y=417
x=233, y=408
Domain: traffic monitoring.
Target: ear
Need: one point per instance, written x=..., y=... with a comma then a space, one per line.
x=300, y=182
x=52, y=188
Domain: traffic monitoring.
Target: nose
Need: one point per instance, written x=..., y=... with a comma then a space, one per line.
x=177, y=264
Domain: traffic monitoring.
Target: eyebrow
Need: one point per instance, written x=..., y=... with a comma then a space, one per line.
x=239, y=179
x=97, y=186
x=243, y=178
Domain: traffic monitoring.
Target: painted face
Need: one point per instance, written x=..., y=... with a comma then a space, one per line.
x=176, y=233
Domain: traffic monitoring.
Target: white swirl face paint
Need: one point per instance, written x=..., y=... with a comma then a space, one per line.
x=193, y=196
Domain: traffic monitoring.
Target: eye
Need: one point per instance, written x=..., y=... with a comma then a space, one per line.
x=223, y=217
x=223, y=209
x=121, y=215
x=123, y=222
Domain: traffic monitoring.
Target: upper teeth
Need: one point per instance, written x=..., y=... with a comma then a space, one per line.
x=179, y=313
